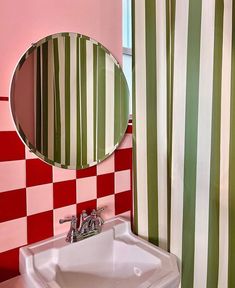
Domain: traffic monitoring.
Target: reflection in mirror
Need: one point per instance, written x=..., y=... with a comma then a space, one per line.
x=69, y=100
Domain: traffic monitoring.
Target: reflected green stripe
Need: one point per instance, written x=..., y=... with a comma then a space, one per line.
x=95, y=99
x=117, y=100
x=191, y=127
x=213, y=239
x=67, y=100
x=78, y=86
x=101, y=103
x=231, y=264
x=57, y=117
x=124, y=104
x=83, y=99
x=151, y=115
x=38, y=103
x=134, y=174
x=45, y=97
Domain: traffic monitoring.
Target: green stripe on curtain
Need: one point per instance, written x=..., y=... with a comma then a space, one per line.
x=213, y=239
x=151, y=106
x=190, y=160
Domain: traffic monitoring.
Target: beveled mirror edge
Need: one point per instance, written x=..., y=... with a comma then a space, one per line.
x=48, y=161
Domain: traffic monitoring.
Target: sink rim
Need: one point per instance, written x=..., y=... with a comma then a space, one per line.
x=58, y=242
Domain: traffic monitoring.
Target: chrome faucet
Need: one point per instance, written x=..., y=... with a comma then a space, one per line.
x=89, y=225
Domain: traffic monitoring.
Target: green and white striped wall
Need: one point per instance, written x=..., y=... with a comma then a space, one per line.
x=184, y=134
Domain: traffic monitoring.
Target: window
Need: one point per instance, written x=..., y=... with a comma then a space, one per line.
x=127, y=45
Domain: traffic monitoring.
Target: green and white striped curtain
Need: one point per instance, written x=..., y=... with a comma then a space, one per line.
x=184, y=134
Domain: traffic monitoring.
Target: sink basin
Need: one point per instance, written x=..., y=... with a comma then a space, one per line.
x=115, y=258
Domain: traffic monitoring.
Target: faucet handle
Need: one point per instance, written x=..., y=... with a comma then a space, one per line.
x=96, y=215
x=72, y=219
x=72, y=235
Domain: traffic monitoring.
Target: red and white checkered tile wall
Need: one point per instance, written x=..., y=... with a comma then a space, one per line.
x=35, y=195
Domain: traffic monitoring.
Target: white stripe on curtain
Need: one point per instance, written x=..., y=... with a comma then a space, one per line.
x=141, y=137
x=224, y=146
x=178, y=128
x=161, y=122
x=204, y=143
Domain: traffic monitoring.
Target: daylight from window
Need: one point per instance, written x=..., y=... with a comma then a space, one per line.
x=127, y=45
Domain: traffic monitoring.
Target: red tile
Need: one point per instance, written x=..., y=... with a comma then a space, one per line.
x=3, y=98
x=64, y=193
x=123, y=202
x=88, y=206
x=12, y=204
x=9, y=264
x=11, y=147
x=123, y=159
x=129, y=129
x=105, y=185
x=40, y=226
x=37, y=172
x=87, y=172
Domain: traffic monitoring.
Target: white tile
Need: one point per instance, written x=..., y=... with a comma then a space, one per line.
x=39, y=198
x=108, y=203
x=86, y=189
x=13, y=234
x=60, y=174
x=122, y=181
x=12, y=175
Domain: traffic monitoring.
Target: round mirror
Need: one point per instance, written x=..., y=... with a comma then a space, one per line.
x=69, y=100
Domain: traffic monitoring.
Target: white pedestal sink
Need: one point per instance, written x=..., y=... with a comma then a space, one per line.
x=115, y=258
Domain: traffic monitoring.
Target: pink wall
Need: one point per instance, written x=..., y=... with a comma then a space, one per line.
x=33, y=194
x=26, y=21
